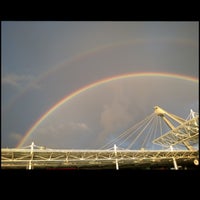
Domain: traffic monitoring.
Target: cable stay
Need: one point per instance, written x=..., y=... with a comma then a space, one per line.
x=159, y=130
x=139, y=136
x=125, y=135
x=192, y=115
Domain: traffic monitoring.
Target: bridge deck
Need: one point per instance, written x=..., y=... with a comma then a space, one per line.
x=59, y=158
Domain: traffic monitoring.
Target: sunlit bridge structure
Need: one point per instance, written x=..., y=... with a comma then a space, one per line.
x=160, y=141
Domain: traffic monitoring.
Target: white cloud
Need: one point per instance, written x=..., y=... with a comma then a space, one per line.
x=60, y=129
x=116, y=113
x=19, y=81
x=14, y=80
x=78, y=126
x=114, y=116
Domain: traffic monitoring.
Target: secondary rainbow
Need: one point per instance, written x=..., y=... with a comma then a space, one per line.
x=92, y=52
x=95, y=84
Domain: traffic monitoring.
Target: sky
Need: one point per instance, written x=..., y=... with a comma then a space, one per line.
x=45, y=63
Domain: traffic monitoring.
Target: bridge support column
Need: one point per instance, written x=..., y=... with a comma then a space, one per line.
x=175, y=164
x=29, y=163
x=174, y=160
x=116, y=161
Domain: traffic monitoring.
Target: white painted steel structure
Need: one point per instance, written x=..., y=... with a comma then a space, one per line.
x=37, y=157
x=59, y=158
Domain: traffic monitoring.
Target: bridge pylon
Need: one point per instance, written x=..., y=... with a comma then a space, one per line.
x=186, y=132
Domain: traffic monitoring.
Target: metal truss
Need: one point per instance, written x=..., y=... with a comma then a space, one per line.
x=186, y=132
x=83, y=159
x=36, y=157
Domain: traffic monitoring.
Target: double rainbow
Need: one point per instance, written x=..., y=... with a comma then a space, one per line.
x=95, y=84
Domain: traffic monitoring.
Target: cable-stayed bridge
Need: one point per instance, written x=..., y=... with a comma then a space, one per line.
x=161, y=141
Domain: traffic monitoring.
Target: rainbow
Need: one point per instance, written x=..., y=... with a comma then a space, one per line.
x=95, y=84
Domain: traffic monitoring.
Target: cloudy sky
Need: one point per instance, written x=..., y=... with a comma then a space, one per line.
x=46, y=62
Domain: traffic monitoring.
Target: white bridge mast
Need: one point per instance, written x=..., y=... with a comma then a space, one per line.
x=186, y=132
